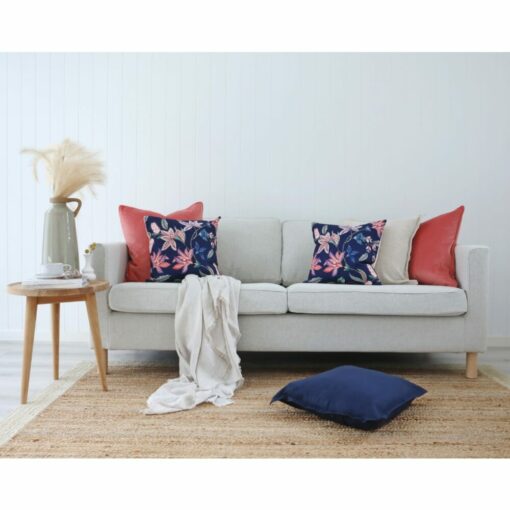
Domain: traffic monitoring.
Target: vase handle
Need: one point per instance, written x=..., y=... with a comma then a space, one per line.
x=78, y=201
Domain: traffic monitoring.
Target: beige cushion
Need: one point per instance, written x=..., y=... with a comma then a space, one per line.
x=392, y=261
x=153, y=297
x=401, y=300
x=395, y=251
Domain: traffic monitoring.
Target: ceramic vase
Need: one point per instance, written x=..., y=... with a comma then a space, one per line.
x=60, y=243
x=87, y=270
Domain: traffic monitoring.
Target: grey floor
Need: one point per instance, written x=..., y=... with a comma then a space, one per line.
x=72, y=353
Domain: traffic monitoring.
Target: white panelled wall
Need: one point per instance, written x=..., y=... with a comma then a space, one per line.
x=311, y=136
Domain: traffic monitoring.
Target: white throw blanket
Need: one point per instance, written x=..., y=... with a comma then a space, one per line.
x=206, y=337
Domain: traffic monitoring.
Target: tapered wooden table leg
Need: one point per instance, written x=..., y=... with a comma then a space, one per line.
x=96, y=337
x=28, y=346
x=105, y=351
x=55, y=327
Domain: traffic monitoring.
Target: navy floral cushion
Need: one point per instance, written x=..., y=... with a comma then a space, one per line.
x=179, y=248
x=346, y=254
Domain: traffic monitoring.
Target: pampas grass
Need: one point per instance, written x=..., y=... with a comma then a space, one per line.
x=69, y=168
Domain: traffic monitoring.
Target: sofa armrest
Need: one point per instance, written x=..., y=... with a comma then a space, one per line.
x=472, y=266
x=109, y=261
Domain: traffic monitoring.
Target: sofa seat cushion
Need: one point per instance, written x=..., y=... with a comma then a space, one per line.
x=414, y=300
x=153, y=297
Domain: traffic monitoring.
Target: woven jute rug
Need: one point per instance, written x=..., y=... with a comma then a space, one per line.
x=457, y=418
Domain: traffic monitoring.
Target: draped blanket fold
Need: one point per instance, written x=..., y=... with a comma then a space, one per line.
x=206, y=337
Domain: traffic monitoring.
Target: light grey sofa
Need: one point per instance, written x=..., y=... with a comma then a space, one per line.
x=280, y=313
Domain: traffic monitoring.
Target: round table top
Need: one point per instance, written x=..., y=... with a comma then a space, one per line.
x=90, y=288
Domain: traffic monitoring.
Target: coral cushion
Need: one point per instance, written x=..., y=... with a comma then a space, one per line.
x=133, y=226
x=433, y=254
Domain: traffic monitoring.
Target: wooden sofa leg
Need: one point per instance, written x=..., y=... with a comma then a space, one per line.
x=471, y=365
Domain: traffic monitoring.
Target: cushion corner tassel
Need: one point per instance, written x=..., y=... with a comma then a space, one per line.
x=206, y=338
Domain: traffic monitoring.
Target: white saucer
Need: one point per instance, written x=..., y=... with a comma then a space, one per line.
x=45, y=276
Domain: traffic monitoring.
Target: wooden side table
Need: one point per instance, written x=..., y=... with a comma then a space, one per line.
x=39, y=296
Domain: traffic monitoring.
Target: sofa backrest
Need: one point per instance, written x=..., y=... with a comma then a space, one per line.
x=297, y=251
x=250, y=249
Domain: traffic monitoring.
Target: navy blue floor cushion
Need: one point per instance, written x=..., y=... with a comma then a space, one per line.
x=354, y=396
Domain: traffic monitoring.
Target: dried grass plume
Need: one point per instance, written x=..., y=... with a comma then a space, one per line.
x=69, y=167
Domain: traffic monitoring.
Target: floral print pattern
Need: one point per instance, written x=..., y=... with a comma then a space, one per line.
x=179, y=248
x=346, y=254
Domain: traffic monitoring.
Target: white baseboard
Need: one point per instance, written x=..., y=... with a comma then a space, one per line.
x=499, y=341
x=44, y=335
x=84, y=336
